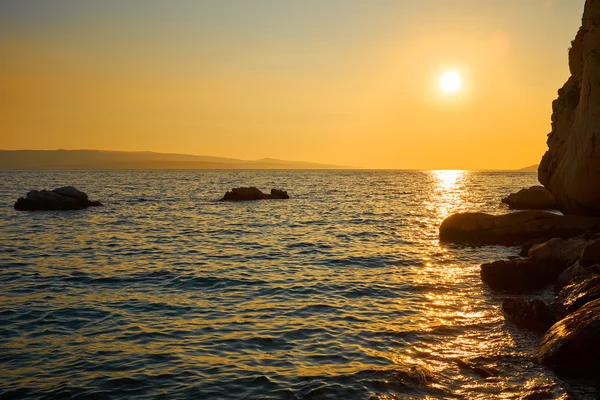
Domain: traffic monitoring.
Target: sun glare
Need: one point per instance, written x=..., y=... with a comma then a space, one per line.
x=450, y=82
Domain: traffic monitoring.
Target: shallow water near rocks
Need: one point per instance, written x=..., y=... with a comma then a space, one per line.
x=343, y=291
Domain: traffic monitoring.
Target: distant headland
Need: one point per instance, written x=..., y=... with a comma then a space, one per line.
x=100, y=159
x=530, y=168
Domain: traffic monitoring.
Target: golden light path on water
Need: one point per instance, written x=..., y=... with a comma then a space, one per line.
x=459, y=313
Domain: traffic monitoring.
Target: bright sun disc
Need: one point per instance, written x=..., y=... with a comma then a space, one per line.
x=450, y=82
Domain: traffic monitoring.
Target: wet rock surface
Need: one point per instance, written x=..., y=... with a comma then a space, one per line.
x=580, y=291
x=63, y=198
x=252, y=193
x=571, y=345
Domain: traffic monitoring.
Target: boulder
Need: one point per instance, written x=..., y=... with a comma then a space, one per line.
x=517, y=227
x=534, y=314
x=581, y=290
x=252, y=193
x=570, y=169
x=534, y=198
x=558, y=250
x=519, y=275
x=571, y=345
x=64, y=198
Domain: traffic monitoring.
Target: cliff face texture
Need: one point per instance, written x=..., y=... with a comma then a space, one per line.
x=570, y=169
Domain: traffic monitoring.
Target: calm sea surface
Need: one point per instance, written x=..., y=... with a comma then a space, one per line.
x=341, y=292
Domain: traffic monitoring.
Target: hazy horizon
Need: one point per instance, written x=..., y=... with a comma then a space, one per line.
x=78, y=159
x=387, y=84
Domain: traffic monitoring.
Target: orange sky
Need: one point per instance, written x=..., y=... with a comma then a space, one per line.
x=347, y=82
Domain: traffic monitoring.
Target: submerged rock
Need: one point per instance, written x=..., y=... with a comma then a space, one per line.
x=519, y=275
x=534, y=314
x=518, y=227
x=477, y=367
x=571, y=345
x=534, y=198
x=64, y=198
x=252, y=193
x=570, y=169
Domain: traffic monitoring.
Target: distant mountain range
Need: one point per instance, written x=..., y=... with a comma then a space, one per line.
x=530, y=168
x=100, y=159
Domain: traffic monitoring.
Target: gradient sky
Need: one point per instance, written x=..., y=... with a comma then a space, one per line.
x=352, y=82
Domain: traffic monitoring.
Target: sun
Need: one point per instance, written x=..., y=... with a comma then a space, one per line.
x=450, y=82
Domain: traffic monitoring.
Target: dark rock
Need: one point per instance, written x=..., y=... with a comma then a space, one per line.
x=534, y=198
x=529, y=244
x=508, y=229
x=252, y=193
x=591, y=254
x=568, y=275
x=571, y=345
x=64, y=198
x=538, y=396
x=580, y=291
x=557, y=250
x=518, y=275
x=534, y=314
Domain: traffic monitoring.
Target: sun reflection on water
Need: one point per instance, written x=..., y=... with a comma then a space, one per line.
x=449, y=192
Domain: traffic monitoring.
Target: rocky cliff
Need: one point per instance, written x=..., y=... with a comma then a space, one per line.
x=570, y=169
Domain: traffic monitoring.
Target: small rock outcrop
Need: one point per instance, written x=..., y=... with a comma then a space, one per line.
x=534, y=314
x=534, y=198
x=252, y=193
x=570, y=169
x=519, y=275
x=571, y=345
x=517, y=227
x=63, y=198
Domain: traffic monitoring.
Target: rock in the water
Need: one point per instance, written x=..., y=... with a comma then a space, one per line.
x=558, y=250
x=477, y=367
x=64, y=198
x=252, y=193
x=518, y=227
x=571, y=345
x=570, y=169
x=534, y=198
x=581, y=290
x=519, y=275
x=534, y=314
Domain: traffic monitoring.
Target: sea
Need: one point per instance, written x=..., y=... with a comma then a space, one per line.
x=341, y=292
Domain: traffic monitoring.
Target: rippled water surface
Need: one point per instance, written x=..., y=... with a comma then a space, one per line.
x=341, y=292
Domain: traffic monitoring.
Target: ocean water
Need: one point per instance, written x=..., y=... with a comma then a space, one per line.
x=341, y=292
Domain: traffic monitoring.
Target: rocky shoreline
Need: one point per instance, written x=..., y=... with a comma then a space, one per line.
x=560, y=253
